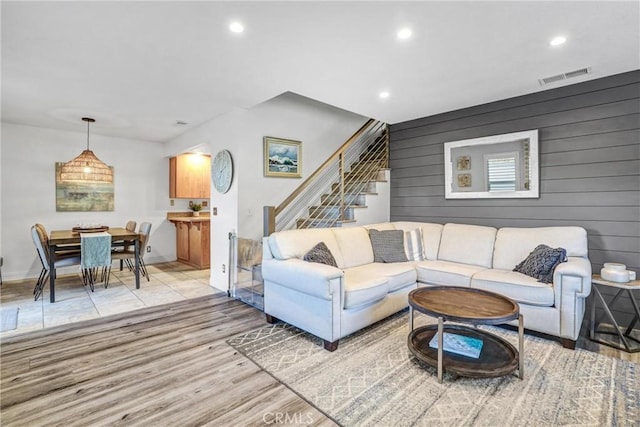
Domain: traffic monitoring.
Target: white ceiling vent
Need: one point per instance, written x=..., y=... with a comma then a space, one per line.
x=564, y=76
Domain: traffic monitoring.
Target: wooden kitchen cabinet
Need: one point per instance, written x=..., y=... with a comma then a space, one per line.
x=182, y=241
x=193, y=242
x=190, y=176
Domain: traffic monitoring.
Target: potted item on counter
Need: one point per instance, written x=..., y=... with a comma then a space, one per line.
x=196, y=208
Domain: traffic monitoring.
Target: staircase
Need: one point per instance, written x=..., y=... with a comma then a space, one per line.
x=359, y=182
x=329, y=197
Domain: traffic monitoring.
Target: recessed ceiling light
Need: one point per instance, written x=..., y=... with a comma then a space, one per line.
x=557, y=41
x=236, y=27
x=384, y=94
x=404, y=33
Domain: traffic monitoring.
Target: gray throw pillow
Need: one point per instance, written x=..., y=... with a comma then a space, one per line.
x=542, y=262
x=320, y=253
x=388, y=245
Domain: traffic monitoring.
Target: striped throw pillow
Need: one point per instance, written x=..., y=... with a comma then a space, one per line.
x=413, y=245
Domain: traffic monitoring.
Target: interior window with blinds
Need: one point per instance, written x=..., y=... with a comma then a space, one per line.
x=502, y=172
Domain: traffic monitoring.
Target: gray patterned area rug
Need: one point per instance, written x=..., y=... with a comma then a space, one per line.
x=373, y=380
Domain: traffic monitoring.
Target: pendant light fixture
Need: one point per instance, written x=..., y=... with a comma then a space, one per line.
x=86, y=167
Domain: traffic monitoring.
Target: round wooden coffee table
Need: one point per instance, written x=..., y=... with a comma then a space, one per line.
x=471, y=306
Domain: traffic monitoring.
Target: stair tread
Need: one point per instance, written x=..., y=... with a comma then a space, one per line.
x=332, y=206
x=337, y=206
x=336, y=193
x=312, y=221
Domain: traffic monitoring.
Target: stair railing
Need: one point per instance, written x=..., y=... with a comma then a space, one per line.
x=365, y=153
x=364, y=169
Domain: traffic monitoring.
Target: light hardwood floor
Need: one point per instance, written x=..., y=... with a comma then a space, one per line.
x=163, y=365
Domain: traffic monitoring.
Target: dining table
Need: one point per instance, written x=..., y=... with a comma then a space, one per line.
x=64, y=240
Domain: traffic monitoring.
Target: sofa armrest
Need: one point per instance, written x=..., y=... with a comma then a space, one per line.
x=571, y=287
x=266, y=249
x=573, y=276
x=308, y=277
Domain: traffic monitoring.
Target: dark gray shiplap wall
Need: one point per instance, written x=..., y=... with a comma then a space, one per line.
x=589, y=166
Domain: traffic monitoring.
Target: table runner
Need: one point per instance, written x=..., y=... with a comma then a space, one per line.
x=95, y=249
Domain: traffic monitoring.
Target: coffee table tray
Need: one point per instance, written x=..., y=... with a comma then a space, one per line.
x=497, y=358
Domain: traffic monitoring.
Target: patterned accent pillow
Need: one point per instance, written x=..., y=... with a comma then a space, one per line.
x=320, y=253
x=542, y=262
x=388, y=245
x=413, y=245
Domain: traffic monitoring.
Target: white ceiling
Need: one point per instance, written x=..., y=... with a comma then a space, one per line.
x=137, y=67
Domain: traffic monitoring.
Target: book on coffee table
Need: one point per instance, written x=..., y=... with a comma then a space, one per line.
x=458, y=344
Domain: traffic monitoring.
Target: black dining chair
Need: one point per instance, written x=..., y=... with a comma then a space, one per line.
x=131, y=226
x=128, y=254
x=63, y=259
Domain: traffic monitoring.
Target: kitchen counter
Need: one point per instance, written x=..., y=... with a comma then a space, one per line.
x=192, y=238
x=189, y=218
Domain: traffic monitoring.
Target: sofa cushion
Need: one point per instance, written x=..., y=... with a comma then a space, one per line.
x=380, y=226
x=541, y=263
x=320, y=253
x=295, y=243
x=397, y=274
x=363, y=286
x=468, y=244
x=355, y=246
x=431, y=234
x=514, y=244
x=413, y=244
x=446, y=272
x=388, y=245
x=517, y=286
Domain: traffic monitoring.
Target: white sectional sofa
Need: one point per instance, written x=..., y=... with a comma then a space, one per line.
x=333, y=302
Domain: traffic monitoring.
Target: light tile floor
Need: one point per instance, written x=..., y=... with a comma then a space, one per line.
x=74, y=302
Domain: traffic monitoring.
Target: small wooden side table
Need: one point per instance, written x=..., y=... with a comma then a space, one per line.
x=625, y=337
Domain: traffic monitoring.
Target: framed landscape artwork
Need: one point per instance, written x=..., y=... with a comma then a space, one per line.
x=282, y=157
x=78, y=196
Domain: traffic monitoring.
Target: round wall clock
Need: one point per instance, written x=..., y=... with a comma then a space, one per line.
x=222, y=171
